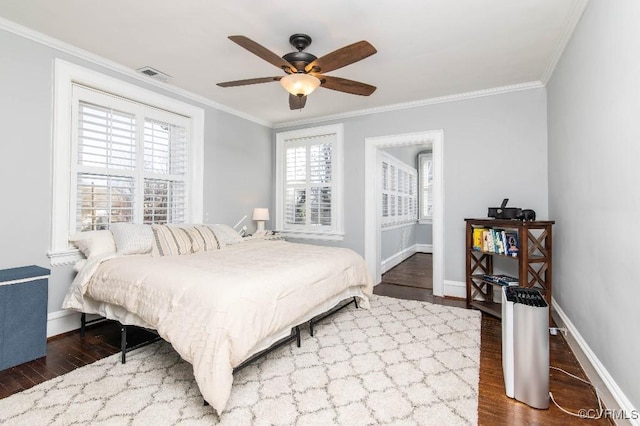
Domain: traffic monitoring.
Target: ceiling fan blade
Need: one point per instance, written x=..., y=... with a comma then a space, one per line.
x=346, y=86
x=344, y=56
x=297, y=102
x=249, y=81
x=262, y=52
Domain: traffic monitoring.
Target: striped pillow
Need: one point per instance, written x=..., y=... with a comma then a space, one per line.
x=172, y=240
x=204, y=238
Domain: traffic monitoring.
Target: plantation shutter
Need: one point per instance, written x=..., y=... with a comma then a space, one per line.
x=426, y=178
x=130, y=162
x=165, y=166
x=308, y=182
x=399, y=196
x=106, y=152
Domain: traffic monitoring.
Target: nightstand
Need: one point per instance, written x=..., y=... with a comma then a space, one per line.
x=269, y=235
x=23, y=315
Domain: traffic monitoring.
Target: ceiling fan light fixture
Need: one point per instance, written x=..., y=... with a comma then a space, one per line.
x=300, y=84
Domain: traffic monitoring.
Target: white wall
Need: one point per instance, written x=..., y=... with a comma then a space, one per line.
x=237, y=158
x=594, y=173
x=395, y=241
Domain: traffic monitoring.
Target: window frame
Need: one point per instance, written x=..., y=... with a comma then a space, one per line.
x=336, y=233
x=66, y=75
x=136, y=172
x=422, y=158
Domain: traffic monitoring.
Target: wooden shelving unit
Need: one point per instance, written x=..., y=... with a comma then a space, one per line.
x=534, y=261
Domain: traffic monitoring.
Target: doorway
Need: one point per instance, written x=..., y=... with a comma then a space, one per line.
x=373, y=145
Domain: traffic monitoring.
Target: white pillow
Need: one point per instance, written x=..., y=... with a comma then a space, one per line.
x=94, y=243
x=132, y=238
x=226, y=234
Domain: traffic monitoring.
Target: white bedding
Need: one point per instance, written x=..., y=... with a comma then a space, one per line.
x=217, y=308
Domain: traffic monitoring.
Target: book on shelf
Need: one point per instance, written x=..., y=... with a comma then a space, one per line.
x=500, y=240
x=478, y=238
x=501, y=279
x=512, y=244
x=487, y=241
x=497, y=241
x=503, y=235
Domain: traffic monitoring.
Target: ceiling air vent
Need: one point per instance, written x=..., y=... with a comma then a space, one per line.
x=154, y=73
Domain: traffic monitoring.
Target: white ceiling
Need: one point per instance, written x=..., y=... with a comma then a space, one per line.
x=426, y=48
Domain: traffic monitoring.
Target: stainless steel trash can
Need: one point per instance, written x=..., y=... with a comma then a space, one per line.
x=525, y=346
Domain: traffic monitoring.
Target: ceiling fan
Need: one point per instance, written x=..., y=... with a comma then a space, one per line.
x=303, y=70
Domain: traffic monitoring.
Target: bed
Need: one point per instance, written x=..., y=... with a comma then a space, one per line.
x=219, y=307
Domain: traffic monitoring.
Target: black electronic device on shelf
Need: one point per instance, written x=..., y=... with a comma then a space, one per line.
x=504, y=212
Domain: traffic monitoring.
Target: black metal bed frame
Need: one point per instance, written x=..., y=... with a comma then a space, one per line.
x=123, y=335
x=84, y=323
x=123, y=341
x=295, y=334
x=320, y=317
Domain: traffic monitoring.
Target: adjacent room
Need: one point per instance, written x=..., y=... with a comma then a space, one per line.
x=346, y=213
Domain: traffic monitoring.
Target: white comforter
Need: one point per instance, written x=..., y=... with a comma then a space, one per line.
x=217, y=308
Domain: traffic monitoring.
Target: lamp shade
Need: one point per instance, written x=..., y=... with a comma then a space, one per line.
x=260, y=214
x=300, y=84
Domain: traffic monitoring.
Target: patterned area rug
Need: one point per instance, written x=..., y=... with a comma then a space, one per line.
x=402, y=362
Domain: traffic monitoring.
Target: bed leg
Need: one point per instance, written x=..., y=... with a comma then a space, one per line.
x=295, y=333
x=319, y=318
x=83, y=324
x=123, y=343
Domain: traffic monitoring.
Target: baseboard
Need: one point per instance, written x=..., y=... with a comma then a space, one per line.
x=400, y=257
x=455, y=289
x=424, y=248
x=62, y=322
x=613, y=397
x=397, y=258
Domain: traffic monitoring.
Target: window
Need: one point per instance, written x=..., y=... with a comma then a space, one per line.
x=426, y=186
x=117, y=158
x=131, y=162
x=399, y=196
x=309, y=183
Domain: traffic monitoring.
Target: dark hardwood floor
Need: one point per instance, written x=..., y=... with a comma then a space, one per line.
x=68, y=352
x=416, y=271
x=494, y=407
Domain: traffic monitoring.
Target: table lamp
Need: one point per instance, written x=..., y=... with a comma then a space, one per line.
x=260, y=215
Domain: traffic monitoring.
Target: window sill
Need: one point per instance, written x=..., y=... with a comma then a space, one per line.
x=302, y=235
x=428, y=221
x=64, y=257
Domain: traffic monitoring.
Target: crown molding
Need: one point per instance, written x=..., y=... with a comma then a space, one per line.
x=54, y=43
x=60, y=45
x=413, y=104
x=569, y=27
